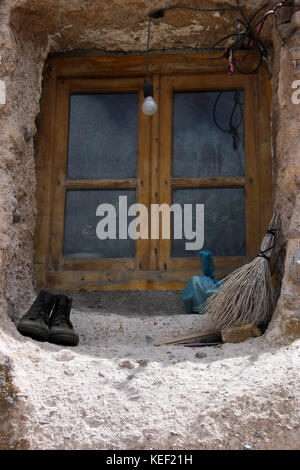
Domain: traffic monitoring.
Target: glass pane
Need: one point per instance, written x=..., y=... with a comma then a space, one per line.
x=200, y=148
x=224, y=220
x=80, y=238
x=103, y=136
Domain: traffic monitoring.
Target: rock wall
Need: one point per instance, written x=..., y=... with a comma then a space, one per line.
x=285, y=325
x=20, y=69
x=10, y=432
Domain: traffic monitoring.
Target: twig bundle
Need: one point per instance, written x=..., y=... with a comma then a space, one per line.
x=247, y=294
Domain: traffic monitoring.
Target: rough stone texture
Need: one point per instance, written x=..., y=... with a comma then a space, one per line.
x=10, y=437
x=121, y=25
x=238, y=334
x=295, y=267
x=285, y=324
x=296, y=20
x=2, y=93
x=29, y=31
x=116, y=390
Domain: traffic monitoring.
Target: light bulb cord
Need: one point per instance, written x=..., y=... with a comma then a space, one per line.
x=148, y=47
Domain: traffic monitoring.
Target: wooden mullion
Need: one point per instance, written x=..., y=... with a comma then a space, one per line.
x=130, y=279
x=99, y=264
x=43, y=177
x=155, y=169
x=232, y=182
x=106, y=85
x=61, y=129
x=95, y=67
x=253, y=221
x=142, y=246
x=207, y=82
x=129, y=183
x=165, y=167
x=223, y=264
x=263, y=98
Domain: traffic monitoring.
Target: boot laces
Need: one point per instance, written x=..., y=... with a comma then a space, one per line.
x=62, y=314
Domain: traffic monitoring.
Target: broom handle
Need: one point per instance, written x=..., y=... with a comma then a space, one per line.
x=187, y=337
x=269, y=240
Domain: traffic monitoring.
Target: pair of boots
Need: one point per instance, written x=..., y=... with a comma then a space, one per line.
x=57, y=328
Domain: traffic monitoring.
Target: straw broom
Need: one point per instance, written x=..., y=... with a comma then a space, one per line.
x=247, y=295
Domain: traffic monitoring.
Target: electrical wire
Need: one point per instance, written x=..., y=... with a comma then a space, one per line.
x=244, y=39
x=148, y=46
x=233, y=128
x=204, y=10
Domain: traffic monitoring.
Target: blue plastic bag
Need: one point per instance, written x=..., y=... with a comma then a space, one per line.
x=200, y=288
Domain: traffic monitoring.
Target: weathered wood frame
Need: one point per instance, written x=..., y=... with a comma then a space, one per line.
x=153, y=267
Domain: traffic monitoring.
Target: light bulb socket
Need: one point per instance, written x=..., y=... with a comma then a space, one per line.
x=148, y=89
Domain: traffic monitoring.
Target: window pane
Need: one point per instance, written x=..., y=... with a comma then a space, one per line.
x=103, y=136
x=200, y=148
x=224, y=220
x=80, y=238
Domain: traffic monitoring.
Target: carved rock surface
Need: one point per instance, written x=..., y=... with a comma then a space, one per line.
x=29, y=31
x=295, y=267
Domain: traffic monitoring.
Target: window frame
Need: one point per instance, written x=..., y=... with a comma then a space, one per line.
x=153, y=266
x=204, y=82
x=64, y=90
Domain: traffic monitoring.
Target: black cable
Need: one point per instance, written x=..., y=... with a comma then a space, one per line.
x=186, y=7
x=270, y=12
x=257, y=12
x=262, y=254
x=148, y=44
x=248, y=72
x=243, y=41
x=233, y=128
x=242, y=11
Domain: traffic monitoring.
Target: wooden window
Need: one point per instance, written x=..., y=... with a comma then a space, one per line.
x=95, y=145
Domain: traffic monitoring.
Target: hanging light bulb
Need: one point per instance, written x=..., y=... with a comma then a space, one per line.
x=149, y=107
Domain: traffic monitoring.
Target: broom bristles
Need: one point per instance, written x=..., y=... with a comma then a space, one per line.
x=247, y=295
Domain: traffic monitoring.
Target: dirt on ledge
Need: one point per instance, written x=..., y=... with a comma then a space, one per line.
x=116, y=390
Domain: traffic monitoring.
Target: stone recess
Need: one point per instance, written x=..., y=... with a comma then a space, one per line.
x=29, y=31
